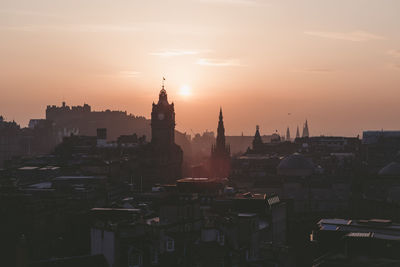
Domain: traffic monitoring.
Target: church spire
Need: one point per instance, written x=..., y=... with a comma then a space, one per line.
x=220, y=131
x=220, y=152
x=297, y=132
x=257, y=141
x=305, y=130
x=287, y=134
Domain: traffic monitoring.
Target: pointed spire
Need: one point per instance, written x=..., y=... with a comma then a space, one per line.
x=257, y=131
x=221, y=130
x=220, y=146
x=305, y=130
x=297, y=132
x=257, y=141
x=287, y=134
x=162, y=98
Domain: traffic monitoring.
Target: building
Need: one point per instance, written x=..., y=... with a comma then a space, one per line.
x=220, y=152
x=346, y=242
x=84, y=121
x=274, y=147
x=165, y=156
x=306, y=132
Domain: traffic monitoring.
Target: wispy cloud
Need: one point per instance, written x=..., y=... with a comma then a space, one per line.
x=394, y=53
x=131, y=74
x=356, y=36
x=72, y=28
x=218, y=62
x=315, y=70
x=174, y=53
x=19, y=12
x=238, y=2
x=321, y=70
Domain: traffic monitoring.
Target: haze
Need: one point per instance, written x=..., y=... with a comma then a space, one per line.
x=335, y=63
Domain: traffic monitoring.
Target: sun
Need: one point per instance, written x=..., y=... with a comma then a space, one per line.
x=185, y=90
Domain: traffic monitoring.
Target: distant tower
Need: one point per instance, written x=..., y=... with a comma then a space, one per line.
x=305, y=130
x=257, y=141
x=165, y=156
x=297, y=132
x=220, y=152
x=287, y=134
x=163, y=122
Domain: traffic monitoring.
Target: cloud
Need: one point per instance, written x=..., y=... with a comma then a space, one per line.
x=319, y=70
x=394, y=53
x=72, y=28
x=174, y=53
x=130, y=74
x=218, y=62
x=238, y=2
x=18, y=12
x=356, y=36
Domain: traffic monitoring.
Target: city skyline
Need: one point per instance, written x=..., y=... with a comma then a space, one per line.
x=335, y=64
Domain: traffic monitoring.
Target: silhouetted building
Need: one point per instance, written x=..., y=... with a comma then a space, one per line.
x=344, y=242
x=82, y=120
x=275, y=146
x=305, y=130
x=257, y=141
x=220, y=152
x=297, y=132
x=166, y=156
x=10, y=140
x=380, y=147
x=288, y=134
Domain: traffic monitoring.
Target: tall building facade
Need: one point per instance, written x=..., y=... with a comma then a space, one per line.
x=166, y=156
x=220, y=152
x=163, y=122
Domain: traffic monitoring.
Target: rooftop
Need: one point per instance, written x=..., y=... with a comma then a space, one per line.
x=375, y=226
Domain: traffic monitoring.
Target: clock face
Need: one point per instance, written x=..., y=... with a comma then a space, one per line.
x=161, y=116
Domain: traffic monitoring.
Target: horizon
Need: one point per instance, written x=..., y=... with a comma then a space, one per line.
x=334, y=64
x=192, y=134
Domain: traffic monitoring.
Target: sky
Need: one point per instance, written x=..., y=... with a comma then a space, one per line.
x=265, y=62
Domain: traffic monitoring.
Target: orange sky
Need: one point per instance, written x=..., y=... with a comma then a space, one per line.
x=336, y=63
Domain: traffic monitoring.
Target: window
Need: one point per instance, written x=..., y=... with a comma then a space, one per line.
x=134, y=258
x=170, y=245
x=221, y=238
x=154, y=256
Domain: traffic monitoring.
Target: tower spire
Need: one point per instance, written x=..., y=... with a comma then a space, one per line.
x=257, y=141
x=220, y=152
x=305, y=130
x=221, y=131
x=287, y=134
x=163, y=94
x=297, y=132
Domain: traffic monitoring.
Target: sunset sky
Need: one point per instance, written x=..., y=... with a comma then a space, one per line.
x=335, y=63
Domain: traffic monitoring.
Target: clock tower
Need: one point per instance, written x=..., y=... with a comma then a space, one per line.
x=163, y=122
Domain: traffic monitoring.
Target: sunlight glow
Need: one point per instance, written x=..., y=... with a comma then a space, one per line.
x=185, y=90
